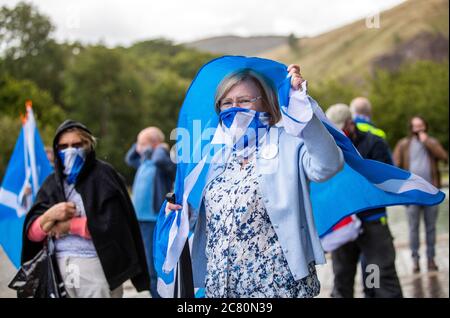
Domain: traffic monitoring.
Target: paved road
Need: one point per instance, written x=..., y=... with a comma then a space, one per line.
x=421, y=285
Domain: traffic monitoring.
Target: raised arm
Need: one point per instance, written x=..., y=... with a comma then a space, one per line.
x=132, y=158
x=320, y=156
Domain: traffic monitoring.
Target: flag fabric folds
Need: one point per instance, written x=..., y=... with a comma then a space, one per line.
x=27, y=169
x=362, y=184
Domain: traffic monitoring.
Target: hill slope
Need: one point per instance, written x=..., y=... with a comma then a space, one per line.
x=352, y=50
x=236, y=45
x=413, y=30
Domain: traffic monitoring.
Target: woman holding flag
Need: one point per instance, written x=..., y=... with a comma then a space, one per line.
x=259, y=235
x=261, y=174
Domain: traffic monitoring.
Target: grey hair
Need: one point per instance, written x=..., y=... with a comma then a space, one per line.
x=268, y=91
x=361, y=106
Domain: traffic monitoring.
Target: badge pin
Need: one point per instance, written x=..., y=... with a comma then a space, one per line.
x=269, y=151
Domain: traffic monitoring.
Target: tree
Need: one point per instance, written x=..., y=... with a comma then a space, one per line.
x=332, y=92
x=188, y=62
x=102, y=92
x=420, y=88
x=23, y=31
x=28, y=51
x=293, y=43
x=163, y=101
x=13, y=94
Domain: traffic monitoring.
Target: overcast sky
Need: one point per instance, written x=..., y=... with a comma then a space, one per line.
x=122, y=22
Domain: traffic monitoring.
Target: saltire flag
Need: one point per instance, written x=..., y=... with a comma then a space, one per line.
x=27, y=169
x=361, y=185
x=347, y=230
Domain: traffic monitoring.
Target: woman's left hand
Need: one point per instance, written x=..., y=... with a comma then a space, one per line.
x=296, y=77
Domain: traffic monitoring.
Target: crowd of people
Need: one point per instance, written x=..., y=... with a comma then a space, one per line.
x=250, y=244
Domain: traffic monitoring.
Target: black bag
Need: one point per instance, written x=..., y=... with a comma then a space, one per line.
x=40, y=277
x=184, y=282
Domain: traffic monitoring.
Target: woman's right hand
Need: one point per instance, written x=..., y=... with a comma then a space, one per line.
x=172, y=207
x=296, y=76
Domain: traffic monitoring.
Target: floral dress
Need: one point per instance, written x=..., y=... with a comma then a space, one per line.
x=244, y=257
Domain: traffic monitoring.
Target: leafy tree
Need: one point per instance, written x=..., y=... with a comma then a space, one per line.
x=188, y=62
x=13, y=94
x=293, y=42
x=28, y=51
x=101, y=92
x=332, y=92
x=163, y=101
x=420, y=88
x=23, y=31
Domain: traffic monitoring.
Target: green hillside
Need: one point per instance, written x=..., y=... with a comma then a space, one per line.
x=350, y=51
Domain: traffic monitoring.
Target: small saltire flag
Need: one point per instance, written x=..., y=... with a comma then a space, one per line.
x=27, y=169
x=361, y=185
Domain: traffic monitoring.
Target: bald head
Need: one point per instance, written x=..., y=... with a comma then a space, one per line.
x=152, y=134
x=361, y=106
x=149, y=137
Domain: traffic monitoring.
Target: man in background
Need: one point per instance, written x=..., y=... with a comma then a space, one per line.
x=375, y=244
x=154, y=178
x=420, y=153
x=361, y=110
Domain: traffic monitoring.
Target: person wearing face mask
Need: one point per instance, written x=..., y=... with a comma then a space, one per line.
x=154, y=178
x=374, y=243
x=244, y=244
x=85, y=207
x=420, y=153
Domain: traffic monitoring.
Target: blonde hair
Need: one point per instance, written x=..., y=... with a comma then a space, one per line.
x=89, y=140
x=268, y=91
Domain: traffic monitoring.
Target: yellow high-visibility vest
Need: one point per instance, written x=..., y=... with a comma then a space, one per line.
x=365, y=127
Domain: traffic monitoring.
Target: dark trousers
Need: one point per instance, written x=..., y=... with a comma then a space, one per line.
x=147, y=229
x=375, y=244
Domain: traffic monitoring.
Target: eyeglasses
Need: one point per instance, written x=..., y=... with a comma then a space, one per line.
x=240, y=102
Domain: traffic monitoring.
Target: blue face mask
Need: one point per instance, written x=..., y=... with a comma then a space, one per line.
x=73, y=160
x=245, y=127
x=257, y=119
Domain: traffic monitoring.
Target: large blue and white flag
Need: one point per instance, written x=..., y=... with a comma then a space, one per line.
x=27, y=169
x=361, y=185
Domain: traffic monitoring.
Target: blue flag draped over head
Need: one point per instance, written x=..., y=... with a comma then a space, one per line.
x=26, y=171
x=361, y=185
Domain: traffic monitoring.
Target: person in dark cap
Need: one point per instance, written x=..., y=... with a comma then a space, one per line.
x=85, y=207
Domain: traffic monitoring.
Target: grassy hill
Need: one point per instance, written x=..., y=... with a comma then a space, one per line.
x=351, y=51
x=415, y=29
x=236, y=45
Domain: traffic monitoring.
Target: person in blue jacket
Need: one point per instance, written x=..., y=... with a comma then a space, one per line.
x=255, y=235
x=154, y=178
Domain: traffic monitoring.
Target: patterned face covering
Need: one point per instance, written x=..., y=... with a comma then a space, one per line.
x=246, y=128
x=72, y=160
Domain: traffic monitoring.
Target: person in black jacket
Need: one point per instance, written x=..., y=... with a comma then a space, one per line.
x=85, y=206
x=375, y=244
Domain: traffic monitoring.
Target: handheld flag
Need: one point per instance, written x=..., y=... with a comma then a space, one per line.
x=27, y=169
x=361, y=185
